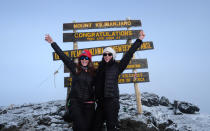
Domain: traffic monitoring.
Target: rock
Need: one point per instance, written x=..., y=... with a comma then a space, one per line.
x=172, y=127
x=27, y=105
x=164, y=101
x=150, y=99
x=36, y=107
x=10, y=127
x=125, y=96
x=132, y=125
x=44, y=120
x=1, y=126
x=3, y=112
x=49, y=116
x=164, y=125
x=188, y=108
x=185, y=128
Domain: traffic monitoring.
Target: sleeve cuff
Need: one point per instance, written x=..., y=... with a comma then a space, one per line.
x=138, y=40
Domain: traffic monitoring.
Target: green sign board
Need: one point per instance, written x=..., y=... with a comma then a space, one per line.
x=99, y=50
x=123, y=78
x=101, y=36
x=101, y=24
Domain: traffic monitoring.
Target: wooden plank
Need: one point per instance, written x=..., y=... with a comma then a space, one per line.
x=101, y=36
x=123, y=78
x=101, y=24
x=134, y=64
x=99, y=50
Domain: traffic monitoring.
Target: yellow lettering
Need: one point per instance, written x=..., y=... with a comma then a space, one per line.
x=100, y=38
x=122, y=33
x=141, y=74
x=99, y=24
x=109, y=38
x=85, y=25
x=97, y=34
x=90, y=38
x=130, y=75
x=110, y=24
x=114, y=23
x=130, y=33
x=91, y=51
x=144, y=45
x=99, y=50
x=106, y=24
x=113, y=33
x=93, y=34
x=56, y=56
x=80, y=35
x=119, y=49
x=76, y=35
x=138, y=65
x=107, y=34
x=122, y=75
x=101, y=33
x=121, y=80
x=128, y=80
x=129, y=22
x=126, y=33
x=140, y=79
x=131, y=66
x=73, y=54
x=66, y=53
x=122, y=23
x=148, y=45
x=78, y=52
x=75, y=26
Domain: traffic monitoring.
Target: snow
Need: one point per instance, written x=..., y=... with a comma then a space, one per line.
x=32, y=114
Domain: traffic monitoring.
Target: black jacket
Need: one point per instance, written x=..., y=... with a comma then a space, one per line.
x=82, y=83
x=106, y=84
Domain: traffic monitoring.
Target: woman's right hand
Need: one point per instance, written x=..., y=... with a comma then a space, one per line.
x=48, y=38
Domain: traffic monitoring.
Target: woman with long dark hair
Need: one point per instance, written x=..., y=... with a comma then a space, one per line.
x=82, y=105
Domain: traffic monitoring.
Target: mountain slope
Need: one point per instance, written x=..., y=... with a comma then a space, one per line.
x=155, y=117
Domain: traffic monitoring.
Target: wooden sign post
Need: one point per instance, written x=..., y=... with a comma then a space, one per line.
x=136, y=87
x=108, y=35
x=75, y=47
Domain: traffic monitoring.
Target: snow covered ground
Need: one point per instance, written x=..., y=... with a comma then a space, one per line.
x=48, y=116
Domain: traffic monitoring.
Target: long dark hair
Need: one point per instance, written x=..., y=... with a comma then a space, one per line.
x=90, y=67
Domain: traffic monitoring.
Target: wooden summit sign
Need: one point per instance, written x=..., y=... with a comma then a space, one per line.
x=127, y=34
x=104, y=35
x=101, y=24
x=134, y=64
x=123, y=78
x=99, y=50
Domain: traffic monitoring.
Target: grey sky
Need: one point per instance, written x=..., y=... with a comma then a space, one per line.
x=178, y=66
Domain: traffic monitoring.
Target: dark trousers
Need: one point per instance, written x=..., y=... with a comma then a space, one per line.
x=107, y=111
x=82, y=115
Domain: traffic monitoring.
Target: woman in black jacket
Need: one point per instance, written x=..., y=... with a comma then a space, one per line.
x=106, y=88
x=82, y=105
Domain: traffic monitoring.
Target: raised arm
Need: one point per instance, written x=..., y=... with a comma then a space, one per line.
x=129, y=54
x=66, y=60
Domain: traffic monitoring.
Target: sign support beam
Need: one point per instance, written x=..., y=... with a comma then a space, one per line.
x=75, y=46
x=136, y=86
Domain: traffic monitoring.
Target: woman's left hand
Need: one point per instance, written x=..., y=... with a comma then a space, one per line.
x=141, y=35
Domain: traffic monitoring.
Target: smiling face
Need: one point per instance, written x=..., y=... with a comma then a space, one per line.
x=107, y=56
x=84, y=60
